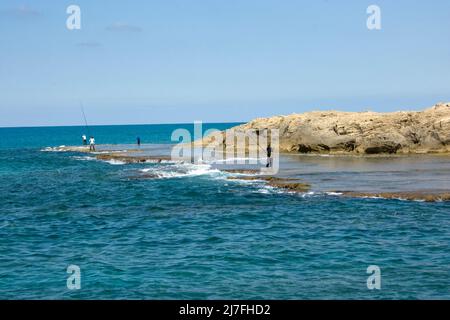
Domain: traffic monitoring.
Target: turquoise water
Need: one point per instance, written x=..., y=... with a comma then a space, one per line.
x=193, y=234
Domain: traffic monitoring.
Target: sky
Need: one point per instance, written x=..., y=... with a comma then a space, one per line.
x=177, y=61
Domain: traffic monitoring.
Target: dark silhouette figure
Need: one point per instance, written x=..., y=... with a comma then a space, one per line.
x=269, y=156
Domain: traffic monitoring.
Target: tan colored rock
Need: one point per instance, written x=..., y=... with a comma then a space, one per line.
x=289, y=184
x=368, y=133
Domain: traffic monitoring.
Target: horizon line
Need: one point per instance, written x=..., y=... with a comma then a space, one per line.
x=106, y=125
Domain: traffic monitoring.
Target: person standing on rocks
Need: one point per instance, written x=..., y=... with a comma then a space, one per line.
x=92, y=144
x=269, y=156
x=84, y=138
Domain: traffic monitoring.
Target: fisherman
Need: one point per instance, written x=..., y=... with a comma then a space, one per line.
x=84, y=139
x=138, y=140
x=92, y=144
x=269, y=156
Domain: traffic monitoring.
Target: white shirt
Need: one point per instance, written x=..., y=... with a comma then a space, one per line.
x=84, y=137
x=92, y=141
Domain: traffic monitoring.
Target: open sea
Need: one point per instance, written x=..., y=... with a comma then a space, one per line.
x=192, y=233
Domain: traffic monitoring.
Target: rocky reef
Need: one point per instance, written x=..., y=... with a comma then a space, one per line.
x=363, y=133
x=426, y=196
x=288, y=184
x=126, y=158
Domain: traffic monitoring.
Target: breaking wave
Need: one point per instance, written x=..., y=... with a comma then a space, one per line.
x=114, y=162
x=182, y=170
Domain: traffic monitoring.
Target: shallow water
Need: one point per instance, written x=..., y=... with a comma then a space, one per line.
x=190, y=233
x=371, y=174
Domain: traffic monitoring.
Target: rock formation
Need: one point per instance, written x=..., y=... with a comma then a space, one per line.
x=126, y=158
x=288, y=184
x=368, y=133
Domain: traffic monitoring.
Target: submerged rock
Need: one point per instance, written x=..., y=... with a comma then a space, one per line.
x=427, y=196
x=291, y=184
x=144, y=176
x=242, y=171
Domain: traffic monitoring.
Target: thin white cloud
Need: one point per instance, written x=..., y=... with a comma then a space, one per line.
x=89, y=44
x=123, y=27
x=22, y=11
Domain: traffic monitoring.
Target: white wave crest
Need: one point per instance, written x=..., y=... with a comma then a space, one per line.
x=331, y=193
x=54, y=149
x=182, y=170
x=115, y=162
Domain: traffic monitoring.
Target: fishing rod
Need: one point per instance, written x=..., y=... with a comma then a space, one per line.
x=84, y=117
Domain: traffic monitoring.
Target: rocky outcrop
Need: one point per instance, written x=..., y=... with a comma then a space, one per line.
x=411, y=196
x=366, y=133
x=132, y=159
x=288, y=184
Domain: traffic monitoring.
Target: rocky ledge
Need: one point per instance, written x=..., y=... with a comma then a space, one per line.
x=427, y=196
x=289, y=184
x=132, y=159
x=364, y=133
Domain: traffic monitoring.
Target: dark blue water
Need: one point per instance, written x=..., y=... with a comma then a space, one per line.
x=196, y=235
x=40, y=137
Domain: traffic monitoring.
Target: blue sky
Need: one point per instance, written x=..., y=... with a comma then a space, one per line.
x=216, y=60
